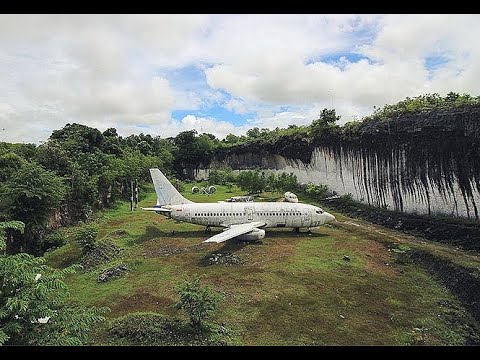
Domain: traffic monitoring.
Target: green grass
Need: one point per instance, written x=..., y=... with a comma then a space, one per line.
x=293, y=289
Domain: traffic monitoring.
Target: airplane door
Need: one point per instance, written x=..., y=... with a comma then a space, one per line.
x=187, y=214
x=307, y=217
x=249, y=214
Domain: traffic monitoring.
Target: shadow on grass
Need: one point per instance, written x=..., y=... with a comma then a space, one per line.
x=227, y=252
x=293, y=234
x=153, y=232
x=233, y=245
x=230, y=247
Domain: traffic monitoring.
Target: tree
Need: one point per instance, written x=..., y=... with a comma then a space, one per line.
x=87, y=237
x=254, y=133
x=33, y=307
x=83, y=193
x=9, y=163
x=286, y=182
x=53, y=157
x=451, y=97
x=252, y=181
x=199, y=302
x=9, y=225
x=326, y=120
x=271, y=181
x=231, y=139
x=32, y=193
x=76, y=138
x=193, y=150
x=223, y=177
x=320, y=191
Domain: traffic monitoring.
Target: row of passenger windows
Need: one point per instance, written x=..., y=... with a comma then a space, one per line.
x=240, y=214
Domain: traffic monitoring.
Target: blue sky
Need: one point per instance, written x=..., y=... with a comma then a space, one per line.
x=162, y=74
x=192, y=79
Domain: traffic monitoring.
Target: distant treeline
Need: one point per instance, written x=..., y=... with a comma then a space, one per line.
x=80, y=169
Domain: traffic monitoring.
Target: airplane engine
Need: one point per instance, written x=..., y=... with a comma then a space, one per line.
x=212, y=189
x=255, y=234
x=291, y=197
x=195, y=189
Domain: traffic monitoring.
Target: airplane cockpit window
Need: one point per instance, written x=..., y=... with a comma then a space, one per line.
x=319, y=211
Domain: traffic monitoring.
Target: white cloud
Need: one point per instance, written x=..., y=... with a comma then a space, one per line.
x=205, y=125
x=5, y=110
x=237, y=106
x=398, y=68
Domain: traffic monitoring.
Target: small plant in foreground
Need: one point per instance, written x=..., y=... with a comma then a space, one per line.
x=199, y=302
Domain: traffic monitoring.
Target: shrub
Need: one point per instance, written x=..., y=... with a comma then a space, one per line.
x=148, y=328
x=319, y=191
x=54, y=240
x=86, y=236
x=199, y=302
x=142, y=328
x=347, y=198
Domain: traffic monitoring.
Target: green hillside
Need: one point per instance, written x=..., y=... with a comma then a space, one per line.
x=288, y=289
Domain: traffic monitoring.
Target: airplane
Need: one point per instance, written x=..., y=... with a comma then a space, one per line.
x=244, y=221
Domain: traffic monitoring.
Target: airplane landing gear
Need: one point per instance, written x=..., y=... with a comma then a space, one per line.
x=297, y=230
x=309, y=232
x=208, y=230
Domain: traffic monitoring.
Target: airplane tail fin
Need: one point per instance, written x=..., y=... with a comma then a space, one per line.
x=166, y=192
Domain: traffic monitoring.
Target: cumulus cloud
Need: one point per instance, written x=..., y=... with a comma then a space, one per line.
x=117, y=70
x=393, y=68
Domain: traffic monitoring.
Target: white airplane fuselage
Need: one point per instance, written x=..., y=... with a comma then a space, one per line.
x=241, y=220
x=274, y=214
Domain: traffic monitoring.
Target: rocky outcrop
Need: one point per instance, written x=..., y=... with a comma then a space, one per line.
x=112, y=273
x=102, y=253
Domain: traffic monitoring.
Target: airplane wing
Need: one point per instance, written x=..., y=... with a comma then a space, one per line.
x=233, y=231
x=157, y=209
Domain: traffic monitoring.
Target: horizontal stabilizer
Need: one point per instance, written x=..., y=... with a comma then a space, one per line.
x=158, y=209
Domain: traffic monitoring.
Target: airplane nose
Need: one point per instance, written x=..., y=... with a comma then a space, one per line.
x=330, y=217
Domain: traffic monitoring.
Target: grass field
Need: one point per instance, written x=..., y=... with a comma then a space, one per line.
x=291, y=289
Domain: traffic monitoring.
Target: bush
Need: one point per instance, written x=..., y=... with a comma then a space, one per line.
x=86, y=236
x=54, y=240
x=319, y=191
x=347, y=198
x=222, y=177
x=286, y=182
x=148, y=328
x=101, y=253
x=252, y=181
x=199, y=302
x=142, y=328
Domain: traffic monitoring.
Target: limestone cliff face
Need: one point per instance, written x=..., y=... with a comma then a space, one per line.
x=426, y=162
